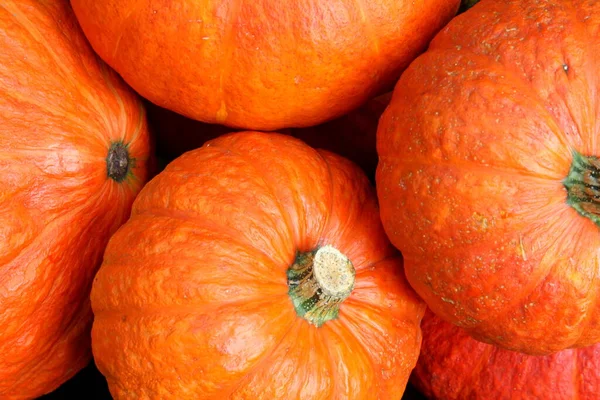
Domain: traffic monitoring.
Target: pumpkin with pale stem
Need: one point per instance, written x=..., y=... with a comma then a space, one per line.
x=74, y=147
x=454, y=366
x=266, y=64
x=255, y=267
x=489, y=176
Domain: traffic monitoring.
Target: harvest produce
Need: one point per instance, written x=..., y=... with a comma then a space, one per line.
x=262, y=65
x=73, y=154
x=454, y=366
x=488, y=176
x=255, y=267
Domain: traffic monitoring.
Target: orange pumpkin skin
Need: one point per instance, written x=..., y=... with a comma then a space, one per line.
x=475, y=151
x=192, y=297
x=60, y=112
x=454, y=366
x=261, y=65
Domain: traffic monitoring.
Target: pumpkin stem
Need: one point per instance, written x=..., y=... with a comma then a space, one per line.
x=583, y=186
x=319, y=281
x=118, y=161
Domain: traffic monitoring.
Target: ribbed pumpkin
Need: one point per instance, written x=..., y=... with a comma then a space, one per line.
x=73, y=155
x=263, y=65
x=489, y=177
x=255, y=267
x=454, y=366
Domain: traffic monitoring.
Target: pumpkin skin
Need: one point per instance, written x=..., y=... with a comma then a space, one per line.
x=454, y=366
x=196, y=281
x=61, y=110
x=351, y=136
x=475, y=151
x=259, y=65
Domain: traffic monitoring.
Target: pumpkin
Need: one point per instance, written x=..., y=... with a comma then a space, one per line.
x=74, y=151
x=454, y=366
x=488, y=173
x=351, y=135
x=255, y=267
x=261, y=65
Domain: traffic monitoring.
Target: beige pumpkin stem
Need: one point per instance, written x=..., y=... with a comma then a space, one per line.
x=319, y=281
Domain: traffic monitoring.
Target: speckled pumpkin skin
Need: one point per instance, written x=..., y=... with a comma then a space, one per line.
x=191, y=301
x=261, y=65
x=454, y=366
x=61, y=108
x=474, y=148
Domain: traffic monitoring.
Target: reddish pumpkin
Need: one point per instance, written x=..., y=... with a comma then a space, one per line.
x=73, y=153
x=351, y=136
x=488, y=174
x=263, y=65
x=454, y=366
x=255, y=267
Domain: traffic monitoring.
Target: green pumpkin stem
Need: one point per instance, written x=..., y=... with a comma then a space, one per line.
x=319, y=281
x=583, y=186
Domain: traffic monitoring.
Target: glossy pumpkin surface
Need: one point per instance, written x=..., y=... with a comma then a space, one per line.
x=263, y=65
x=488, y=176
x=454, y=366
x=208, y=291
x=73, y=151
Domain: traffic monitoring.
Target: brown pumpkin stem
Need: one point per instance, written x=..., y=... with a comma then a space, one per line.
x=118, y=161
x=583, y=186
x=319, y=281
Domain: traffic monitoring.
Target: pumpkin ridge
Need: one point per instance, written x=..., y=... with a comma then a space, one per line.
x=330, y=186
x=296, y=325
x=226, y=58
x=349, y=324
x=366, y=25
x=284, y=215
x=118, y=98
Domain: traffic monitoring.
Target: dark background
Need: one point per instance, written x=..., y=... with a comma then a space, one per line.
x=89, y=384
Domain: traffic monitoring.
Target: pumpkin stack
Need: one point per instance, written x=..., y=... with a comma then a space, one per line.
x=351, y=198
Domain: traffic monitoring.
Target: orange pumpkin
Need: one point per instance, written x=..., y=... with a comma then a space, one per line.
x=454, y=366
x=488, y=173
x=73, y=155
x=263, y=65
x=255, y=267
